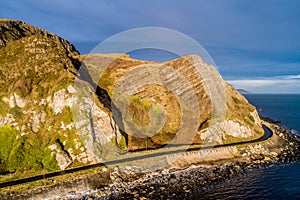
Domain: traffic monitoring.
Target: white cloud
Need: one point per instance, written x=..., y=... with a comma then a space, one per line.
x=287, y=77
x=277, y=84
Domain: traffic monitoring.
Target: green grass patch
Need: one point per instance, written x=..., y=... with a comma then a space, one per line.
x=25, y=153
x=105, y=79
x=139, y=110
x=122, y=144
x=16, y=112
x=235, y=100
x=7, y=139
x=231, y=139
x=67, y=117
x=4, y=108
x=248, y=120
x=251, y=118
x=158, y=109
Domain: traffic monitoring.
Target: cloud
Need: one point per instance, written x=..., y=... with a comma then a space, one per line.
x=287, y=77
x=277, y=84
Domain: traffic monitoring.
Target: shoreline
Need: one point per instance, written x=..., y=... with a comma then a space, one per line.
x=185, y=183
x=132, y=182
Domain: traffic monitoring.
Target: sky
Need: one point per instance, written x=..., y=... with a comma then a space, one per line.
x=255, y=44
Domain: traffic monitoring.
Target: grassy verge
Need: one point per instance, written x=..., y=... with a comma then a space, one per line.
x=50, y=181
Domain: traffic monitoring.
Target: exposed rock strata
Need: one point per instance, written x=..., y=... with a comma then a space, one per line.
x=223, y=112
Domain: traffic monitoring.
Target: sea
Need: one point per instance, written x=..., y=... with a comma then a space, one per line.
x=274, y=182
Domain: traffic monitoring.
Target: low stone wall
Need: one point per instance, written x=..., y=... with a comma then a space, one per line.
x=203, y=156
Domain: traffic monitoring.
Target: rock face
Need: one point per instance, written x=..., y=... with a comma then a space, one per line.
x=12, y=30
x=37, y=103
x=51, y=118
x=224, y=114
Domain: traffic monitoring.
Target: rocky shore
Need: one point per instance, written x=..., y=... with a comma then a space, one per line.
x=130, y=183
x=182, y=184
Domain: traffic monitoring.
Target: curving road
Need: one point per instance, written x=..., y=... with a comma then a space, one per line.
x=267, y=134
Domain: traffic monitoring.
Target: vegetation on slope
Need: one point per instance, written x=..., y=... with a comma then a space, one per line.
x=34, y=64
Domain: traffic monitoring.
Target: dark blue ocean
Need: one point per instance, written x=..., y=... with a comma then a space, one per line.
x=277, y=182
x=285, y=108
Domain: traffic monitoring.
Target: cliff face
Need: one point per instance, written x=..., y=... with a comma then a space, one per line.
x=50, y=117
x=12, y=30
x=37, y=99
x=224, y=115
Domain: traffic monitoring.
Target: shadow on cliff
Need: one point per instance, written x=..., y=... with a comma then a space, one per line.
x=104, y=98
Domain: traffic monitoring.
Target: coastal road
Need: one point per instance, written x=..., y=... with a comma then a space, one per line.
x=267, y=134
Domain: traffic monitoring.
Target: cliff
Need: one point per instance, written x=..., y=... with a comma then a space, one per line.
x=224, y=115
x=37, y=96
x=51, y=118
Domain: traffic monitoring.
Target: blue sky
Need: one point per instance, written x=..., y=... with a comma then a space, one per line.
x=254, y=43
